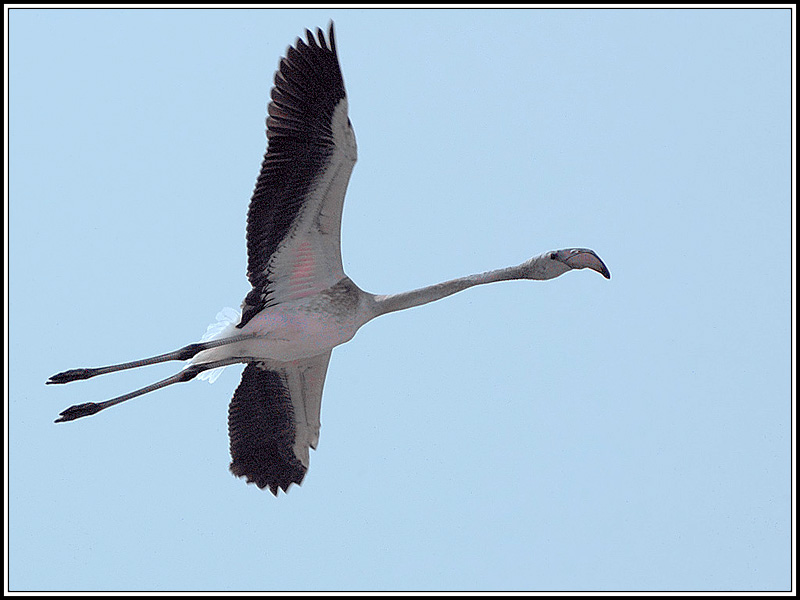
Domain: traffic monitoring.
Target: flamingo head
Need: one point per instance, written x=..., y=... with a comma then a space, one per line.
x=557, y=262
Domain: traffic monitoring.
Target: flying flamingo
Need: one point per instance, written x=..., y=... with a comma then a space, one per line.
x=301, y=304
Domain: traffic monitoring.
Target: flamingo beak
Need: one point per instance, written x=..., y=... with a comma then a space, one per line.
x=583, y=258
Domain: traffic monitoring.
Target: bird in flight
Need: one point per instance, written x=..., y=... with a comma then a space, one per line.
x=301, y=304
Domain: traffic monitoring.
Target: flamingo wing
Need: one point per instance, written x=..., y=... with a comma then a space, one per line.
x=295, y=213
x=273, y=420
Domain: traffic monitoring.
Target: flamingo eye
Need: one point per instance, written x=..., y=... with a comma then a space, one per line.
x=552, y=256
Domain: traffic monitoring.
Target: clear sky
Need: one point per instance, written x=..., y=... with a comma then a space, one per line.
x=575, y=434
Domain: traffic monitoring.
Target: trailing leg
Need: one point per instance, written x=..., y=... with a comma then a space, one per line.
x=187, y=374
x=184, y=353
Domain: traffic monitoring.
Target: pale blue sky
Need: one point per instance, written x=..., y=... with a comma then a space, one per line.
x=576, y=434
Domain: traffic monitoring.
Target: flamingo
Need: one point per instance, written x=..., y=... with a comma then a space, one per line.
x=301, y=304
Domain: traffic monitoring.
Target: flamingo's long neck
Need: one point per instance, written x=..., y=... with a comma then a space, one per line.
x=394, y=302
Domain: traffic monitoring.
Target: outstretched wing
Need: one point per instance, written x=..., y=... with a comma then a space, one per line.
x=273, y=420
x=295, y=214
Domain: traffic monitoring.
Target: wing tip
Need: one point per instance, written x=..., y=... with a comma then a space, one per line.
x=263, y=482
x=318, y=41
x=331, y=37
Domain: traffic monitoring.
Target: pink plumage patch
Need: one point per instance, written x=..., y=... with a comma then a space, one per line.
x=304, y=267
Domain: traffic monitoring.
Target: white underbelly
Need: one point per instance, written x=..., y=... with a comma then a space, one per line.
x=293, y=334
x=283, y=334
